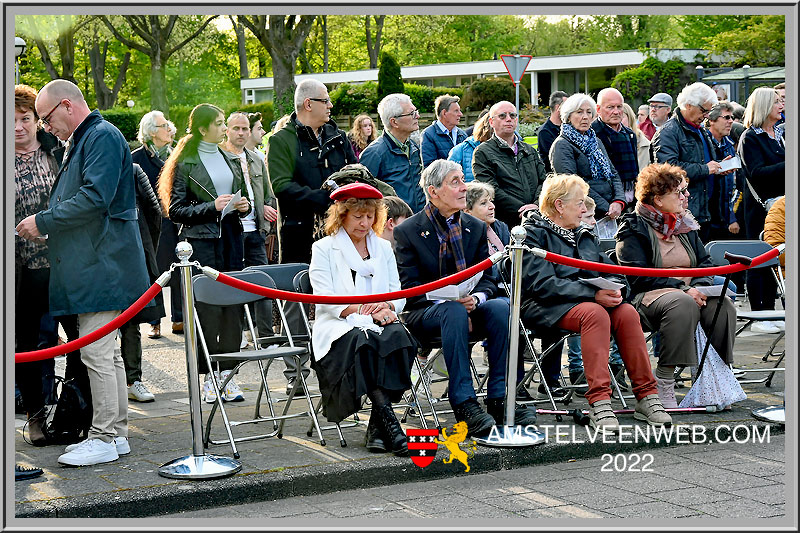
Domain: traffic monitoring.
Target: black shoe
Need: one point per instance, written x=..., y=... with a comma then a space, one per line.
x=619, y=375
x=523, y=415
x=22, y=472
x=523, y=395
x=478, y=421
x=374, y=442
x=392, y=432
x=577, y=378
x=558, y=393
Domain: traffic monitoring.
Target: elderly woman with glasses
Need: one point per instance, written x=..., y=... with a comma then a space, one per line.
x=577, y=150
x=723, y=218
x=683, y=142
x=661, y=233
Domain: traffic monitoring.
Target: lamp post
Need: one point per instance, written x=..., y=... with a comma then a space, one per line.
x=130, y=103
x=19, y=48
x=746, y=70
x=699, y=70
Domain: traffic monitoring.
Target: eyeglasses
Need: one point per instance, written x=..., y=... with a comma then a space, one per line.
x=704, y=110
x=658, y=106
x=325, y=101
x=45, y=120
x=414, y=113
x=502, y=116
x=683, y=191
x=164, y=125
x=726, y=117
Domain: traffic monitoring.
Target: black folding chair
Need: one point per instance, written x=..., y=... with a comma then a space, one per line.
x=211, y=292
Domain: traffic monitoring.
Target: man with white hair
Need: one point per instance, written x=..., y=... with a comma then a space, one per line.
x=683, y=141
x=393, y=157
x=97, y=265
x=301, y=156
x=619, y=140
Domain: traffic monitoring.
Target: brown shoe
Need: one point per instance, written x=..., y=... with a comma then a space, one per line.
x=36, y=431
x=155, y=331
x=177, y=327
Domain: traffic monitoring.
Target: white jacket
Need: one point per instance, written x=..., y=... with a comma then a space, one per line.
x=330, y=275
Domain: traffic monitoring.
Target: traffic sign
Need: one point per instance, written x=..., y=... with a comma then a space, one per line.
x=516, y=65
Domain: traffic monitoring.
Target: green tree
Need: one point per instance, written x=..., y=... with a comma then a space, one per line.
x=652, y=76
x=389, y=78
x=759, y=42
x=158, y=37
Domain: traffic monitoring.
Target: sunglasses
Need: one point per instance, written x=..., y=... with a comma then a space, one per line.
x=502, y=116
x=726, y=117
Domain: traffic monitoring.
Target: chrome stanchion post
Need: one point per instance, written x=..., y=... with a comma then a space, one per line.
x=199, y=465
x=511, y=435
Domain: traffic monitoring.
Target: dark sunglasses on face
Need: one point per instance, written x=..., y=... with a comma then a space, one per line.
x=502, y=116
x=726, y=117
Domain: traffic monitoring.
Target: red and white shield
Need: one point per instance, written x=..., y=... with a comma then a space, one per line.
x=422, y=445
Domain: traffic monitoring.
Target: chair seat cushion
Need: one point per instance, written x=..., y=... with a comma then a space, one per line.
x=762, y=315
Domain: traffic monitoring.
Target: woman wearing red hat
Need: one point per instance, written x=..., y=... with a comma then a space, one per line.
x=360, y=348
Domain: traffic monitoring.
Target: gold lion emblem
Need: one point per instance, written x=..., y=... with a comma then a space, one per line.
x=453, y=444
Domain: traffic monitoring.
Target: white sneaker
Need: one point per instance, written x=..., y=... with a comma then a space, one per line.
x=122, y=444
x=764, y=326
x=415, y=378
x=90, y=452
x=780, y=324
x=439, y=367
x=244, y=342
x=232, y=391
x=139, y=393
x=209, y=392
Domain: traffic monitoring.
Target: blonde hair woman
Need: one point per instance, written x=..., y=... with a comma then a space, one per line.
x=361, y=134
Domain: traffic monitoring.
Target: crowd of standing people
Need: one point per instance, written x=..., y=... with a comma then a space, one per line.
x=96, y=224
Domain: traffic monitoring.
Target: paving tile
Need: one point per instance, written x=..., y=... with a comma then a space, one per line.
x=741, y=508
x=690, y=495
x=731, y=480
x=443, y=503
x=758, y=467
x=653, y=510
x=566, y=511
x=525, y=501
x=770, y=494
x=610, y=497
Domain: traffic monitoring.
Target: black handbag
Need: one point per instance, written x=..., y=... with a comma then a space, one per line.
x=73, y=413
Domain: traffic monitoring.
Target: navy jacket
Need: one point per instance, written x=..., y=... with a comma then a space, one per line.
x=95, y=250
x=436, y=144
x=417, y=251
x=389, y=164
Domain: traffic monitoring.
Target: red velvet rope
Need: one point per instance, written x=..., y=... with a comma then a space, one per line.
x=366, y=298
x=660, y=272
x=77, y=344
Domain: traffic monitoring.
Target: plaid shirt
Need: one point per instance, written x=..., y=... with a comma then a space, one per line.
x=622, y=151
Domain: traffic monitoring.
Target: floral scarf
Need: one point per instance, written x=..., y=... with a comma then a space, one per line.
x=588, y=144
x=567, y=234
x=668, y=224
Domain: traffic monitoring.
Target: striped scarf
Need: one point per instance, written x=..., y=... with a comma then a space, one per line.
x=451, y=242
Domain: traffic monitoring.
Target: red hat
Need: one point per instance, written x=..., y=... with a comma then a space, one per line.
x=355, y=190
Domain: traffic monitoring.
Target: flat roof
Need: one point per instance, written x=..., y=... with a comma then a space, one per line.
x=754, y=73
x=443, y=70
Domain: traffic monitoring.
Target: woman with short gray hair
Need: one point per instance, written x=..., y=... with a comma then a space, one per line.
x=578, y=151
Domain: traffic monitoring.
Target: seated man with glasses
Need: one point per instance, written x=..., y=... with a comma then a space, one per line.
x=511, y=166
x=394, y=157
x=683, y=142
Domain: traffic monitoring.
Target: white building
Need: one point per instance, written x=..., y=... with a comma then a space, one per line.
x=571, y=73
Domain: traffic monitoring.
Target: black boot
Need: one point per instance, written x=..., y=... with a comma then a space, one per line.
x=374, y=441
x=523, y=415
x=478, y=422
x=393, y=434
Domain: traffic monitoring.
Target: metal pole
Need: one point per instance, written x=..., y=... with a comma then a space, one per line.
x=198, y=465
x=512, y=435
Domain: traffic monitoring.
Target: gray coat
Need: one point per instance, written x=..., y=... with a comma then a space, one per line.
x=566, y=158
x=95, y=250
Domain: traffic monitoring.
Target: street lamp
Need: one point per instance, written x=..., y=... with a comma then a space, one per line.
x=130, y=103
x=19, y=50
x=699, y=70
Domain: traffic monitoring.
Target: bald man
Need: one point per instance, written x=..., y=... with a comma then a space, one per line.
x=619, y=140
x=97, y=266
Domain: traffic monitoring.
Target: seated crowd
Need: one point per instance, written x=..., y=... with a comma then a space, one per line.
x=432, y=214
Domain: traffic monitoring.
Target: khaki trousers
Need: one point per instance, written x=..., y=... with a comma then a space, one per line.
x=106, y=379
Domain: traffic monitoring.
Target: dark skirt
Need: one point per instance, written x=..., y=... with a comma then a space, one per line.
x=359, y=363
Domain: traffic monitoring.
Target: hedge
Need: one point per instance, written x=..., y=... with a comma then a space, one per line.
x=363, y=98
x=488, y=91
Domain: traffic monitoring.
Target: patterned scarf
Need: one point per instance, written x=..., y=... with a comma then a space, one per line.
x=567, y=234
x=587, y=143
x=451, y=243
x=667, y=224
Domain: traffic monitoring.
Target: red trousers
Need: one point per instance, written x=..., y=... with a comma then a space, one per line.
x=596, y=324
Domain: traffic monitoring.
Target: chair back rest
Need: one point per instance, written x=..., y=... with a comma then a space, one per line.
x=283, y=275
x=212, y=292
x=747, y=248
x=302, y=282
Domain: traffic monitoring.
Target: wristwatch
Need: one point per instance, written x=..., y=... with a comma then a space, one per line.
x=477, y=301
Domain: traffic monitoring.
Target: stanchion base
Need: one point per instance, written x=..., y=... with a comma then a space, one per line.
x=200, y=467
x=511, y=437
x=774, y=413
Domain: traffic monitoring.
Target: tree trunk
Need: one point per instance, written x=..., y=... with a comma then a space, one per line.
x=158, y=85
x=244, y=72
x=305, y=64
x=324, y=43
x=283, y=76
x=374, y=48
